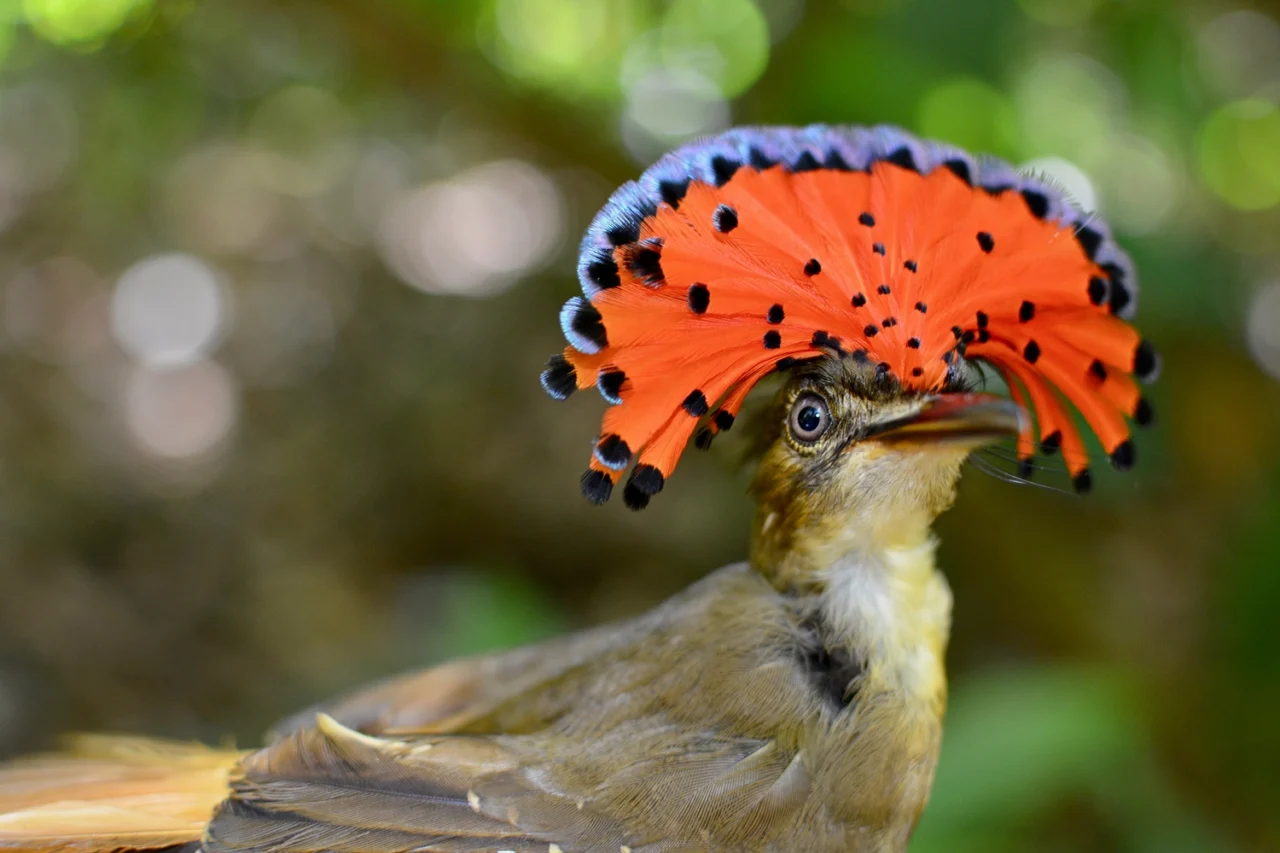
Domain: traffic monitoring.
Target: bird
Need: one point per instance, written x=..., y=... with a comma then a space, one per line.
x=790, y=702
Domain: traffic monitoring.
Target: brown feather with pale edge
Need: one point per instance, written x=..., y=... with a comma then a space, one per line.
x=580, y=743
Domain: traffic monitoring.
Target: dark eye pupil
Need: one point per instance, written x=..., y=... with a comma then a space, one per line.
x=809, y=419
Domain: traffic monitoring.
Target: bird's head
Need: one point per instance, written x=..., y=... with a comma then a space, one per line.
x=871, y=269
x=849, y=458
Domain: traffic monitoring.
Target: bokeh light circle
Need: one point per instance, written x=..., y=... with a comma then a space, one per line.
x=726, y=41
x=1139, y=183
x=1239, y=53
x=665, y=108
x=168, y=310
x=1238, y=149
x=1262, y=328
x=181, y=411
x=969, y=113
x=79, y=22
x=1070, y=106
x=550, y=41
x=476, y=234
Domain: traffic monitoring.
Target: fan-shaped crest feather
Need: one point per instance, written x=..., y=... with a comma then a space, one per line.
x=749, y=251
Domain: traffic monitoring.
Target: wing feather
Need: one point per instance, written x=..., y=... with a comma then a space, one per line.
x=329, y=787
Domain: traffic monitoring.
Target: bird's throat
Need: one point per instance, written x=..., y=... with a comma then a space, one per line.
x=893, y=609
x=882, y=598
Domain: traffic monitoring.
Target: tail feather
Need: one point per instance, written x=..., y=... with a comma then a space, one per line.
x=112, y=794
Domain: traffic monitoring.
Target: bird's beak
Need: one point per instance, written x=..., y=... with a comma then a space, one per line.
x=970, y=419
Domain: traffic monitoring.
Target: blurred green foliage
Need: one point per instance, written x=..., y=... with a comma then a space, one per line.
x=277, y=279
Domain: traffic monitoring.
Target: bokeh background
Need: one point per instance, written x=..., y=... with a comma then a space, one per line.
x=277, y=278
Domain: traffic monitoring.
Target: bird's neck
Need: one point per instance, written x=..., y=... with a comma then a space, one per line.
x=881, y=603
x=881, y=597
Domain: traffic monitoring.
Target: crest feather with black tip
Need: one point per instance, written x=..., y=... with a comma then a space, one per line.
x=763, y=247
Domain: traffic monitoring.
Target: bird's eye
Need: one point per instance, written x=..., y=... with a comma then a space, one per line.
x=809, y=418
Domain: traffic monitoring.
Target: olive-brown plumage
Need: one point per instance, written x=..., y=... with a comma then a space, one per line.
x=793, y=703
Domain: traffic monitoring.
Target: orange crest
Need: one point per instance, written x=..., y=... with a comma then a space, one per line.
x=744, y=253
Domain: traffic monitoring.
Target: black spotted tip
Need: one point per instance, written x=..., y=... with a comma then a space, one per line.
x=1146, y=363
x=635, y=499
x=559, y=379
x=613, y=452
x=759, y=160
x=673, y=192
x=1143, y=413
x=1083, y=482
x=1123, y=457
x=1120, y=297
x=806, y=162
x=904, y=158
x=609, y=383
x=583, y=326
x=705, y=435
x=645, y=482
x=624, y=233
x=960, y=169
x=696, y=403
x=1037, y=203
x=723, y=169
x=647, y=479
x=1090, y=240
x=604, y=273
x=596, y=486
x=1050, y=443
x=1097, y=290
x=646, y=265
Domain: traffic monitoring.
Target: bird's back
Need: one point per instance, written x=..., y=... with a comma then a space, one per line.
x=718, y=721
